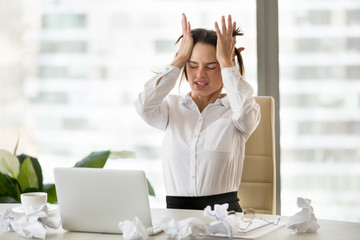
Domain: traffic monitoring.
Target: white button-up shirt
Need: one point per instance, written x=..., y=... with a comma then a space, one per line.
x=202, y=152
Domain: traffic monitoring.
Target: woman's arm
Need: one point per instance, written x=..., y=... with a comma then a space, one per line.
x=246, y=112
x=150, y=104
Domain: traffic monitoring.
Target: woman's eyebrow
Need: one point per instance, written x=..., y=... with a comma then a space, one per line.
x=209, y=63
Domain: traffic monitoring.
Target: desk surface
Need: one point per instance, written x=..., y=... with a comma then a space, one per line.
x=329, y=230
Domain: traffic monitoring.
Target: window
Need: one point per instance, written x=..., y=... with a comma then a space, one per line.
x=353, y=16
x=313, y=17
x=52, y=47
x=67, y=72
x=63, y=21
x=319, y=111
x=85, y=63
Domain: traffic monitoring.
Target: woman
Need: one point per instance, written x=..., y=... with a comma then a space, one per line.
x=205, y=131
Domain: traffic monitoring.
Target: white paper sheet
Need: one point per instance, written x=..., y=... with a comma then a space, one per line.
x=258, y=228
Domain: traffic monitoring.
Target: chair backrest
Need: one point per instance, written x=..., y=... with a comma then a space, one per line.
x=258, y=183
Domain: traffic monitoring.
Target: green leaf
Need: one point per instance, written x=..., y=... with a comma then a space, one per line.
x=94, y=160
x=17, y=144
x=7, y=199
x=9, y=164
x=27, y=176
x=150, y=189
x=28, y=190
x=36, y=166
x=8, y=187
x=51, y=192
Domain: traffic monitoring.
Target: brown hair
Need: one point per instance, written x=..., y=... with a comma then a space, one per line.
x=201, y=35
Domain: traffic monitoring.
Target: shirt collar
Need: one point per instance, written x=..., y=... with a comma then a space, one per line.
x=188, y=99
x=224, y=100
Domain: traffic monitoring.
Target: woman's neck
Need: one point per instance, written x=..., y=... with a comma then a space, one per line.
x=203, y=101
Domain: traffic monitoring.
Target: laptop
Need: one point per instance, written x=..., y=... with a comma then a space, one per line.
x=96, y=200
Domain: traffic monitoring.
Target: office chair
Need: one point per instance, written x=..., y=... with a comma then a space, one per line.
x=258, y=183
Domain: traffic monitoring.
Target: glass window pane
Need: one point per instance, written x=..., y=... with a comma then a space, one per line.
x=319, y=108
x=63, y=47
x=63, y=21
x=71, y=70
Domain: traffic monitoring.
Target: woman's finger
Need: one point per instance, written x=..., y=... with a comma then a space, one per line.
x=184, y=24
x=230, y=25
x=223, y=25
x=217, y=29
x=188, y=29
x=234, y=29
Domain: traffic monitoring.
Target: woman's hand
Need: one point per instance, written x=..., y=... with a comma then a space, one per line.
x=225, y=48
x=186, y=45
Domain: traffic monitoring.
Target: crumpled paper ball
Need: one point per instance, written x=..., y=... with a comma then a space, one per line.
x=305, y=220
x=134, y=230
x=192, y=227
x=224, y=223
x=30, y=225
x=187, y=228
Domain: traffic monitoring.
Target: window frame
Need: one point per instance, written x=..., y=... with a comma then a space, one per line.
x=268, y=70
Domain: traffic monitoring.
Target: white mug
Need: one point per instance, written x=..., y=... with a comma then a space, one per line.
x=33, y=199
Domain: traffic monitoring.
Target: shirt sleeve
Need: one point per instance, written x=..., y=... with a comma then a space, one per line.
x=246, y=112
x=151, y=104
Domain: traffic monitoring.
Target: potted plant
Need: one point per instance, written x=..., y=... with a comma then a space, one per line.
x=23, y=173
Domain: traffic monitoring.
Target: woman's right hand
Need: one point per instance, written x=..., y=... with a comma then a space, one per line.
x=186, y=46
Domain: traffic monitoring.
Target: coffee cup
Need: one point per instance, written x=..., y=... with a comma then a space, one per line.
x=33, y=200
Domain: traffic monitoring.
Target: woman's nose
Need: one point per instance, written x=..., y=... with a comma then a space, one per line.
x=200, y=72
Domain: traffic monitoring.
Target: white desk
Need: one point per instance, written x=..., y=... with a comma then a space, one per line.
x=329, y=230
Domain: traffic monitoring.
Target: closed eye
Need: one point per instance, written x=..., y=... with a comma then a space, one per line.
x=209, y=66
x=192, y=66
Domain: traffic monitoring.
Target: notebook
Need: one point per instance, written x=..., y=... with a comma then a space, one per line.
x=96, y=200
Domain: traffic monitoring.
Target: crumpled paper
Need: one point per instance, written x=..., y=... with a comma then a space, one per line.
x=192, y=227
x=30, y=225
x=224, y=223
x=305, y=220
x=187, y=228
x=134, y=230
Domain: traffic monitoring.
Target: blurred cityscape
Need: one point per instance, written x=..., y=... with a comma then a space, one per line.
x=70, y=71
x=319, y=44
x=77, y=67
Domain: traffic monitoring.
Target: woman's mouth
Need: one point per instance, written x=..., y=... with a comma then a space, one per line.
x=201, y=83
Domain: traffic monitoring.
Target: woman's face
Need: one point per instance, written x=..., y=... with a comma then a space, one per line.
x=203, y=71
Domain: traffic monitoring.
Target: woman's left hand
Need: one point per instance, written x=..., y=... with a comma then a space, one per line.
x=225, y=48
